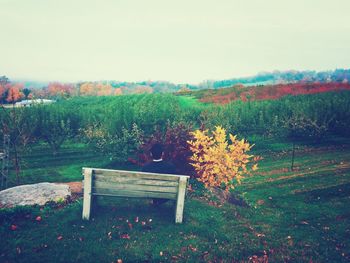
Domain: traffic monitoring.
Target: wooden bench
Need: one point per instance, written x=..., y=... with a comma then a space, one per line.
x=103, y=182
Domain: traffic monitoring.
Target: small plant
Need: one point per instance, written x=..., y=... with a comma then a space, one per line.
x=217, y=162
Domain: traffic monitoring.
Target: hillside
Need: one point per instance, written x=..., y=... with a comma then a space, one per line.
x=261, y=92
x=57, y=90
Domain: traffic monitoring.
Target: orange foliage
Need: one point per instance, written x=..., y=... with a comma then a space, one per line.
x=117, y=91
x=103, y=89
x=61, y=90
x=98, y=89
x=87, y=89
x=14, y=93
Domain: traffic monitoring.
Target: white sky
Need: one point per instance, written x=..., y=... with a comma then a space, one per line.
x=179, y=40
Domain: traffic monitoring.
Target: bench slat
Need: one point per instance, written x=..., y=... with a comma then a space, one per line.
x=129, y=193
x=123, y=187
x=130, y=180
x=141, y=175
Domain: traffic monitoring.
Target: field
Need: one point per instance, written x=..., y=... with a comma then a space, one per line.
x=283, y=215
x=276, y=214
x=265, y=92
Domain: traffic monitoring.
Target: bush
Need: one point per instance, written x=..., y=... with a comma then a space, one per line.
x=217, y=162
x=176, y=149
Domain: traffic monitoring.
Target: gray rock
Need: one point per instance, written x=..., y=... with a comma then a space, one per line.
x=34, y=194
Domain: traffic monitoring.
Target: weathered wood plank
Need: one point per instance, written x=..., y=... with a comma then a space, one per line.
x=121, y=186
x=141, y=175
x=180, y=201
x=129, y=193
x=87, y=193
x=131, y=180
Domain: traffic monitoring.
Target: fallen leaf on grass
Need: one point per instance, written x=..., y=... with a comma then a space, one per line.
x=137, y=219
x=194, y=249
x=59, y=237
x=125, y=236
x=38, y=218
x=119, y=261
x=205, y=254
x=260, y=202
x=13, y=227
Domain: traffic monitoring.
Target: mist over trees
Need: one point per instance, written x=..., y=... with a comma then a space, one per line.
x=13, y=90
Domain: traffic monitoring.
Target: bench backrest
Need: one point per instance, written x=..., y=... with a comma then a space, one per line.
x=106, y=182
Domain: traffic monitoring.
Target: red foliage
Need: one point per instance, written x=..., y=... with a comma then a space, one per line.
x=272, y=92
x=176, y=148
x=14, y=92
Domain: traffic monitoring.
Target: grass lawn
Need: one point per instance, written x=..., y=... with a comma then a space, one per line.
x=290, y=216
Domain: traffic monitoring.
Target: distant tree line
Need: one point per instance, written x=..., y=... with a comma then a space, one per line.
x=15, y=91
x=280, y=77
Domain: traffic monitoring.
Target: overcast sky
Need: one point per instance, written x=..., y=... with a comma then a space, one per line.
x=179, y=40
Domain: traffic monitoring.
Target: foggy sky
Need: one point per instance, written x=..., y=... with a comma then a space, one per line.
x=182, y=41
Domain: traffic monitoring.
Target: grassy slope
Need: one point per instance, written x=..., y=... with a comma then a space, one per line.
x=292, y=216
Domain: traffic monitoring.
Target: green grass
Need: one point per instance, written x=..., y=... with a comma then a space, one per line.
x=292, y=216
x=190, y=102
x=40, y=165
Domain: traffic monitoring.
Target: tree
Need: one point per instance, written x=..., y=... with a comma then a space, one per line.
x=14, y=93
x=20, y=124
x=103, y=89
x=87, y=89
x=4, y=85
x=26, y=93
x=217, y=162
x=54, y=127
x=4, y=80
x=305, y=127
x=117, y=147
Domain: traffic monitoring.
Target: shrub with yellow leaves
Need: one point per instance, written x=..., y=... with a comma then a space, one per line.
x=217, y=161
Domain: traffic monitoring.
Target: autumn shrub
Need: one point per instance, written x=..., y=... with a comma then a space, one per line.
x=217, y=161
x=176, y=149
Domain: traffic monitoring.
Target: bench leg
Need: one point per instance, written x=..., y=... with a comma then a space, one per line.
x=87, y=193
x=180, y=202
